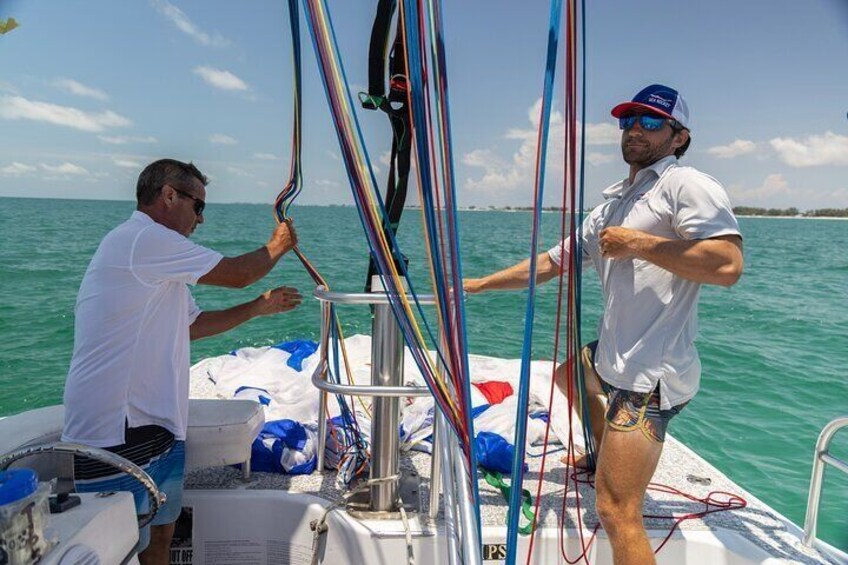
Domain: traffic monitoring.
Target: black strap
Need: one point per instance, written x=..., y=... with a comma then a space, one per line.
x=377, y=53
x=396, y=108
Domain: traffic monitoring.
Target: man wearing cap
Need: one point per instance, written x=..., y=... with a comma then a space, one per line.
x=659, y=235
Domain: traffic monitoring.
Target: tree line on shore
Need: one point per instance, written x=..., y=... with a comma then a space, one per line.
x=738, y=210
x=818, y=213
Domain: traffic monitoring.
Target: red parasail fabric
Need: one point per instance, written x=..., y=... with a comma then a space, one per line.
x=494, y=391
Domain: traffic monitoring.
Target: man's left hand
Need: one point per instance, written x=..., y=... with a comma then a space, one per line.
x=622, y=243
x=280, y=299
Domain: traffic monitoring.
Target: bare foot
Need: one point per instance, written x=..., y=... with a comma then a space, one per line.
x=578, y=459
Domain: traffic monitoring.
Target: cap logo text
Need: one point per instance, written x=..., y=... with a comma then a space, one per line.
x=656, y=99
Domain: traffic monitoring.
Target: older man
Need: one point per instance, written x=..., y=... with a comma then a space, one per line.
x=128, y=383
x=661, y=233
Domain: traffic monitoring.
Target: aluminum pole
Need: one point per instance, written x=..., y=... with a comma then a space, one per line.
x=386, y=370
x=435, y=464
x=471, y=548
x=448, y=493
x=322, y=395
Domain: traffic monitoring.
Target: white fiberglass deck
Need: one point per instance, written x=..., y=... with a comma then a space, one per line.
x=755, y=534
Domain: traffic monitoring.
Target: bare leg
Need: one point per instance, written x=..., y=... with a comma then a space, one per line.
x=596, y=400
x=626, y=463
x=158, y=552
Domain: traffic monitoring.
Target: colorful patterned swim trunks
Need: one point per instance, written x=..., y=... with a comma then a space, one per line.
x=628, y=410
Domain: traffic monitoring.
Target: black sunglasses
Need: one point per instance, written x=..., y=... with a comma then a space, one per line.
x=199, y=204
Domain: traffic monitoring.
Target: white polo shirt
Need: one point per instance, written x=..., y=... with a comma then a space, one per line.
x=131, y=333
x=647, y=332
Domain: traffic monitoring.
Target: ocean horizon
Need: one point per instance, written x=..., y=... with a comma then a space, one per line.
x=773, y=347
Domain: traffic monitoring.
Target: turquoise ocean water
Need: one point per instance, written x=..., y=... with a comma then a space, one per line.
x=774, y=348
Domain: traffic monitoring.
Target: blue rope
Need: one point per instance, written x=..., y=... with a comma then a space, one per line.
x=577, y=262
x=382, y=262
x=418, y=94
x=295, y=184
x=524, y=384
x=457, y=282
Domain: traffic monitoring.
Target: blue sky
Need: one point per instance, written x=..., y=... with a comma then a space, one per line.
x=92, y=91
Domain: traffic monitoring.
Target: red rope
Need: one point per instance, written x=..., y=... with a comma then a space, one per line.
x=712, y=504
x=716, y=501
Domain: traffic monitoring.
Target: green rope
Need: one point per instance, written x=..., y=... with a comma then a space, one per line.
x=371, y=101
x=495, y=479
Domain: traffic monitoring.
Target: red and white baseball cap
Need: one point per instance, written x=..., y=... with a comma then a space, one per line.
x=657, y=99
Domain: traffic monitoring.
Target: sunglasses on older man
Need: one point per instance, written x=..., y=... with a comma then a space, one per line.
x=199, y=204
x=648, y=122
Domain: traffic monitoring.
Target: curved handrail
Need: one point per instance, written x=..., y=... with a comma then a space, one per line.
x=364, y=390
x=324, y=295
x=821, y=458
x=157, y=498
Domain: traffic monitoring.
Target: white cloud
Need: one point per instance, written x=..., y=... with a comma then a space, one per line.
x=386, y=158
x=124, y=139
x=8, y=87
x=222, y=139
x=185, y=25
x=79, y=89
x=126, y=163
x=734, y=149
x=500, y=175
x=16, y=169
x=484, y=158
x=18, y=107
x=238, y=172
x=812, y=151
x=598, y=159
x=602, y=134
x=325, y=182
x=522, y=134
x=225, y=80
x=65, y=169
x=535, y=114
x=776, y=192
x=265, y=156
x=773, y=189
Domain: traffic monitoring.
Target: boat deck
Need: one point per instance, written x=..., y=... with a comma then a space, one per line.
x=679, y=468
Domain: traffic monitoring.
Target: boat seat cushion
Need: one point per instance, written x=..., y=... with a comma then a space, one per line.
x=220, y=432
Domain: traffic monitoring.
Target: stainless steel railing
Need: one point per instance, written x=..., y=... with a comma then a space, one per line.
x=385, y=388
x=324, y=295
x=448, y=468
x=821, y=459
x=157, y=498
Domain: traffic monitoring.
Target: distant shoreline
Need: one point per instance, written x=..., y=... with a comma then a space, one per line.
x=799, y=217
x=545, y=210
